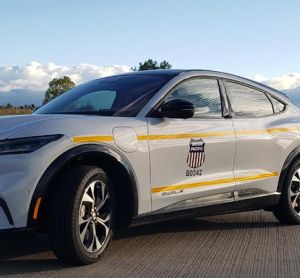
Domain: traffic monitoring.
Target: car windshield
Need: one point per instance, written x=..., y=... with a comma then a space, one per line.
x=123, y=95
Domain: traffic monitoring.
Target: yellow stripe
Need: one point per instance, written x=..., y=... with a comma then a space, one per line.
x=89, y=139
x=190, y=185
x=213, y=182
x=108, y=138
x=216, y=134
x=267, y=131
x=257, y=177
x=283, y=129
x=185, y=135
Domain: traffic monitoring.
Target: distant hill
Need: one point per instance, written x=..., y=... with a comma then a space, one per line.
x=294, y=95
x=22, y=97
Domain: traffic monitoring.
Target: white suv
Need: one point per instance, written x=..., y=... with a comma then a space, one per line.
x=147, y=145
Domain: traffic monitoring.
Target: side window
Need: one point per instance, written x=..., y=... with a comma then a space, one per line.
x=203, y=93
x=278, y=105
x=248, y=102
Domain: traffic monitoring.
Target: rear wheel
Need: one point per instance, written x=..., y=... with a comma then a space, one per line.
x=288, y=209
x=81, y=215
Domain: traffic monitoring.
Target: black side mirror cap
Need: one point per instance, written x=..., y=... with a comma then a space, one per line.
x=178, y=108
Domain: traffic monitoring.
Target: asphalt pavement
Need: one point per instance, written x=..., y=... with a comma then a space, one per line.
x=251, y=244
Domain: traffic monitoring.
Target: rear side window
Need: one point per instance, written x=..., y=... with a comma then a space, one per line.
x=278, y=105
x=248, y=102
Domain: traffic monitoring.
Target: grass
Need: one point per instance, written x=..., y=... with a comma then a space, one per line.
x=14, y=111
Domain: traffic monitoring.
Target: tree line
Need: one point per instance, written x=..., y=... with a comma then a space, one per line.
x=25, y=106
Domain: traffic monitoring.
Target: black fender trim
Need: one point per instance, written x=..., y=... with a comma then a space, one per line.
x=68, y=156
x=294, y=153
x=5, y=208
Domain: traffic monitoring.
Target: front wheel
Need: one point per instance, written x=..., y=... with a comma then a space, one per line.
x=81, y=215
x=288, y=209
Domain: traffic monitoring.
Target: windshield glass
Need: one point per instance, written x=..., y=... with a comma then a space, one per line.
x=123, y=95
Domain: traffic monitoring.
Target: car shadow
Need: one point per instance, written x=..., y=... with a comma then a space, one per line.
x=19, y=256
x=29, y=266
x=13, y=251
x=195, y=224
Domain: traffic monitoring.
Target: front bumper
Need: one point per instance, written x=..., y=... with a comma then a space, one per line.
x=19, y=176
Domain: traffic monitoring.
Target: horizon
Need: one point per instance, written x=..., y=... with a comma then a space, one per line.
x=31, y=81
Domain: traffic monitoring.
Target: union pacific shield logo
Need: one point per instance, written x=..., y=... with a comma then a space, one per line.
x=196, y=154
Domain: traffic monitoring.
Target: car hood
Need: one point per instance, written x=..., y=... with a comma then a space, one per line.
x=12, y=124
x=68, y=125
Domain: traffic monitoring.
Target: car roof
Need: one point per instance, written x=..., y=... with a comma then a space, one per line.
x=220, y=74
x=175, y=72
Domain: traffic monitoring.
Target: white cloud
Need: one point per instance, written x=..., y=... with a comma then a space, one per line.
x=35, y=76
x=27, y=84
x=284, y=82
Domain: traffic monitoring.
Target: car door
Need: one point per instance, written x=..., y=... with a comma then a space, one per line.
x=192, y=159
x=265, y=134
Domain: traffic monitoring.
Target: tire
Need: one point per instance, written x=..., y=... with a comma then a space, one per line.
x=288, y=209
x=75, y=218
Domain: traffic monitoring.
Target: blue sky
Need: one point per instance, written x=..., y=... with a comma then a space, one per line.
x=44, y=39
x=244, y=37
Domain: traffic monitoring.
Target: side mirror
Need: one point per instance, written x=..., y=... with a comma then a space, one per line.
x=178, y=108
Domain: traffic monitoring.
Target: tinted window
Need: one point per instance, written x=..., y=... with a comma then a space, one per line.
x=203, y=93
x=248, y=102
x=123, y=95
x=95, y=101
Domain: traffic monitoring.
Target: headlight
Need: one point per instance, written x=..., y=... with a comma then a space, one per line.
x=27, y=144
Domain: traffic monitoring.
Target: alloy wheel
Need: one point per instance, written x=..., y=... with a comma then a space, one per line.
x=295, y=191
x=94, y=216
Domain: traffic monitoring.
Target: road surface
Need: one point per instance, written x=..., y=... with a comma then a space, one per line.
x=249, y=244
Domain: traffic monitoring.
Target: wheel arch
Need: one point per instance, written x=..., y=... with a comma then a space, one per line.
x=104, y=156
x=294, y=154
